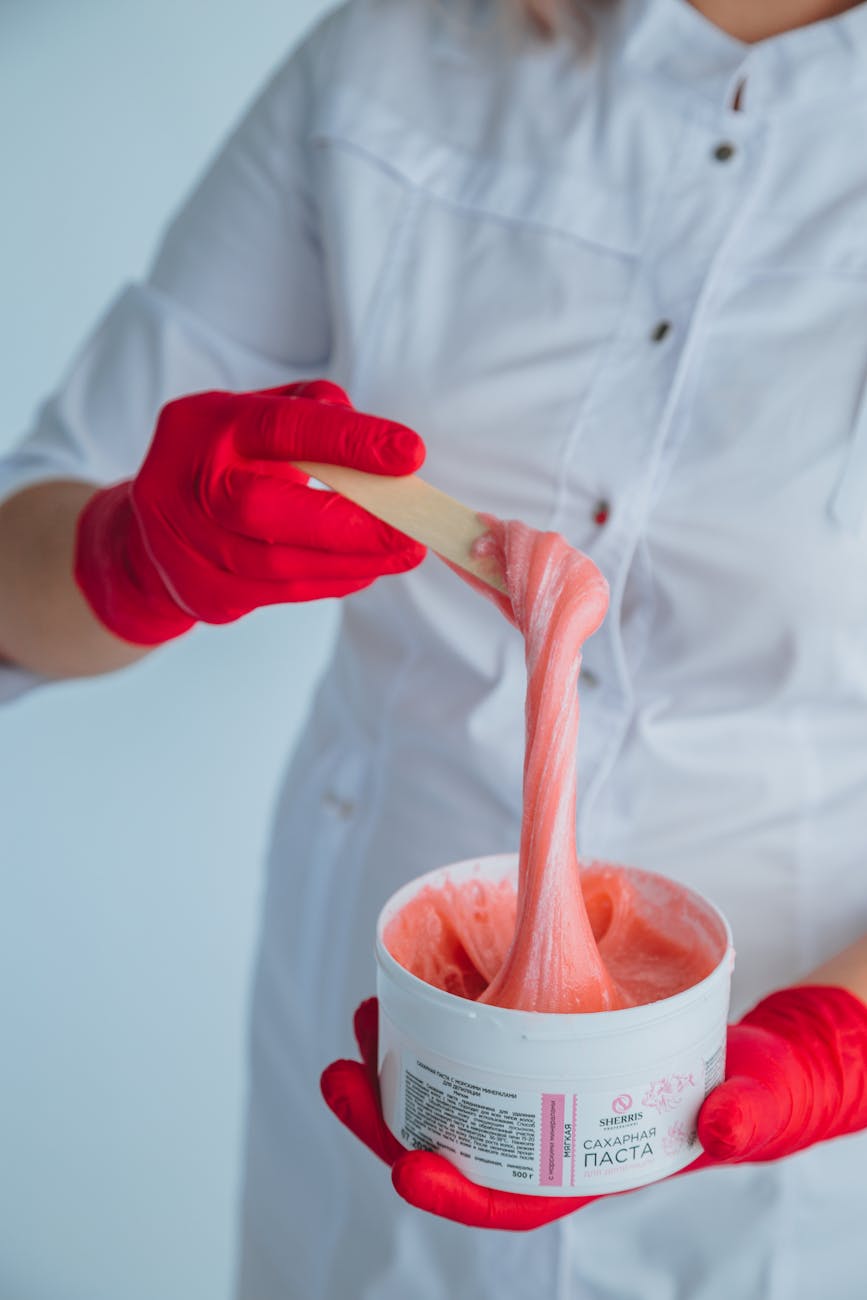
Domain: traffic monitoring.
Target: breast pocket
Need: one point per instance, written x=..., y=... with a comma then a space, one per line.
x=478, y=295
x=848, y=503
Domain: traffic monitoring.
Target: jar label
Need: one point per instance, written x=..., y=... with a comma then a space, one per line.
x=566, y=1140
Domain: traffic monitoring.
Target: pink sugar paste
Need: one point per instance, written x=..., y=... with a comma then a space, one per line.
x=653, y=937
x=570, y=940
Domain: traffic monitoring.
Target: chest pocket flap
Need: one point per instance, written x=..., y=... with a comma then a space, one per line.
x=566, y=200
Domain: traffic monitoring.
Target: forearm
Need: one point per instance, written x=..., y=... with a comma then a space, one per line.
x=45, y=623
x=847, y=970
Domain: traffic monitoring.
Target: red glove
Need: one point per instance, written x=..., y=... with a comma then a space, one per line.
x=796, y=1074
x=217, y=522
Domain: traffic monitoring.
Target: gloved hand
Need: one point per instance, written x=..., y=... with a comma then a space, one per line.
x=796, y=1074
x=217, y=522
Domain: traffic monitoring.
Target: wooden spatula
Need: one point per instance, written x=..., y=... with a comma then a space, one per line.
x=416, y=508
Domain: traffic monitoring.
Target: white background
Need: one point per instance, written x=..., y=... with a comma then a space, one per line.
x=134, y=809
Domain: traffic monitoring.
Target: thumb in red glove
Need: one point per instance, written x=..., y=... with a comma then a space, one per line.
x=218, y=522
x=796, y=1075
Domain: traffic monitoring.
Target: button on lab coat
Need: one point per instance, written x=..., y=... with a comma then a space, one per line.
x=615, y=307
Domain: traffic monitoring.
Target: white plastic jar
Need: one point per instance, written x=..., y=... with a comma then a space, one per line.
x=548, y=1104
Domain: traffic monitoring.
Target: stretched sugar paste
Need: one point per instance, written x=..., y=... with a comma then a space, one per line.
x=570, y=940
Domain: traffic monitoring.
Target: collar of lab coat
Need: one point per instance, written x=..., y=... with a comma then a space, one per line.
x=826, y=61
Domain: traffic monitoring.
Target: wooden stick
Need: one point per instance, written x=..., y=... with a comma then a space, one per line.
x=416, y=508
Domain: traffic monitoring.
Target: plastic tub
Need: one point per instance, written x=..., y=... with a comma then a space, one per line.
x=548, y=1104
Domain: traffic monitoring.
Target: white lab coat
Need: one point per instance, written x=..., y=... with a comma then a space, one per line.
x=542, y=260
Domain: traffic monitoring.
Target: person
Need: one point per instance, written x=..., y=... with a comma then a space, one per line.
x=613, y=274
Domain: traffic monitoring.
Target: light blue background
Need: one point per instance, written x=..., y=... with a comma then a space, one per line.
x=133, y=809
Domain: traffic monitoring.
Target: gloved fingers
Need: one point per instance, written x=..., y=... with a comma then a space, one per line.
x=739, y=1119
x=747, y=1116
x=276, y=509
x=299, y=428
x=365, y=1023
x=354, y=1099
x=318, y=390
x=429, y=1182
x=213, y=595
x=323, y=589
x=262, y=562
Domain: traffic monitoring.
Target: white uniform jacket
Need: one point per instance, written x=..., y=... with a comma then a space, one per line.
x=585, y=279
